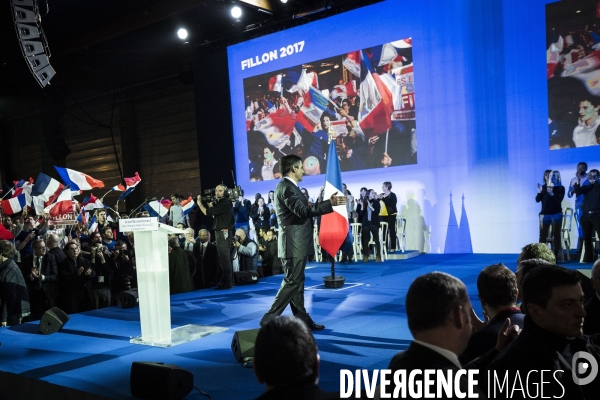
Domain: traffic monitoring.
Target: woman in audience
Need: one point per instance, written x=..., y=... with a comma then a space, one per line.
x=551, y=195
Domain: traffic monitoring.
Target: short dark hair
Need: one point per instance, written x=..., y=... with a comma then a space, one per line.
x=174, y=242
x=36, y=242
x=497, y=285
x=120, y=243
x=93, y=234
x=526, y=266
x=7, y=249
x=583, y=163
x=285, y=353
x=106, y=228
x=70, y=243
x=537, y=250
x=288, y=162
x=431, y=298
x=388, y=185
x=263, y=229
x=538, y=284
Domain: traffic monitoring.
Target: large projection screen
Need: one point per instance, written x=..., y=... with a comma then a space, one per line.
x=458, y=95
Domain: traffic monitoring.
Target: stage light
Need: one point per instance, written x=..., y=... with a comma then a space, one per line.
x=236, y=12
x=182, y=33
x=284, y=1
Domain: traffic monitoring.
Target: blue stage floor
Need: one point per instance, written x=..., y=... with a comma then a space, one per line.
x=365, y=326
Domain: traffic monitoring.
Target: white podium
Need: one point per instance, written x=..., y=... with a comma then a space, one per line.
x=152, y=265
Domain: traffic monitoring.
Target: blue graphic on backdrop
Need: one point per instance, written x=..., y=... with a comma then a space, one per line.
x=458, y=238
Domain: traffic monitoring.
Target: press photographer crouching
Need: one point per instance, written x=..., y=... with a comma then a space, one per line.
x=246, y=249
x=123, y=271
x=220, y=208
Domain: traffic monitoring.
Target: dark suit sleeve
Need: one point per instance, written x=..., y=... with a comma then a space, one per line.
x=52, y=270
x=294, y=202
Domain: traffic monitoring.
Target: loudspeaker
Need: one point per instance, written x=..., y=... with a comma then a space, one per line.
x=245, y=277
x=129, y=298
x=150, y=380
x=242, y=344
x=53, y=320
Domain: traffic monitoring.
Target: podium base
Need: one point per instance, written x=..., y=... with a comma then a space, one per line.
x=182, y=334
x=333, y=282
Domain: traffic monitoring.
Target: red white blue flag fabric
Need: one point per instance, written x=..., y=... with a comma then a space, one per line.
x=334, y=226
x=314, y=104
x=14, y=205
x=376, y=101
x=91, y=203
x=187, y=205
x=78, y=180
x=131, y=184
x=62, y=206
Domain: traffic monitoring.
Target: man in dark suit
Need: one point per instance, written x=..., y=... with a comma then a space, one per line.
x=295, y=238
x=439, y=318
x=53, y=245
x=497, y=287
x=74, y=276
x=207, y=262
x=40, y=272
x=591, y=324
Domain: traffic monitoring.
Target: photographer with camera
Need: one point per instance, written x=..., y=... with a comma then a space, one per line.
x=246, y=258
x=100, y=257
x=222, y=212
x=122, y=271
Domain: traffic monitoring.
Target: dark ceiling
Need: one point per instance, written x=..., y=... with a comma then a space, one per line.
x=107, y=45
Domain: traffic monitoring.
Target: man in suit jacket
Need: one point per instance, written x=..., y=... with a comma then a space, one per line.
x=75, y=274
x=53, y=245
x=591, y=324
x=439, y=318
x=40, y=272
x=295, y=238
x=207, y=262
x=497, y=287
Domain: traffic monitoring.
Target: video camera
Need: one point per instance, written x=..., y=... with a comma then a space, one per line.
x=232, y=240
x=233, y=194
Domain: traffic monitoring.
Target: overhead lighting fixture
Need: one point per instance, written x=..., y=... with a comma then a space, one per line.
x=284, y=1
x=236, y=12
x=182, y=33
x=33, y=40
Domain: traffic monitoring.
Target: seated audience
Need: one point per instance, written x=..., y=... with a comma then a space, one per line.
x=591, y=324
x=552, y=334
x=497, y=287
x=286, y=360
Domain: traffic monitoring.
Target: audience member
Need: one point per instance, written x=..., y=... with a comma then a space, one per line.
x=14, y=301
x=41, y=273
x=242, y=210
x=368, y=214
x=581, y=177
x=179, y=272
x=246, y=258
x=122, y=270
x=439, y=318
x=591, y=324
x=389, y=214
x=189, y=241
x=28, y=233
x=286, y=360
x=107, y=238
x=175, y=211
x=207, y=262
x=270, y=260
x=590, y=220
x=100, y=260
x=551, y=336
x=53, y=245
x=261, y=216
x=497, y=288
x=74, y=280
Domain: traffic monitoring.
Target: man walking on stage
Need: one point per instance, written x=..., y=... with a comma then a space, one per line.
x=295, y=238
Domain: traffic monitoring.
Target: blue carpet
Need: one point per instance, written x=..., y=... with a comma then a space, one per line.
x=365, y=326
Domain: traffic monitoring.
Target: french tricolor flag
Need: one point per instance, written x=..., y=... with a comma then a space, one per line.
x=14, y=205
x=78, y=180
x=188, y=205
x=131, y=184
x=334, y=226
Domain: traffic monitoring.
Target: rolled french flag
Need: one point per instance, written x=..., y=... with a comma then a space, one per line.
x=334, y=226
x=78, y=180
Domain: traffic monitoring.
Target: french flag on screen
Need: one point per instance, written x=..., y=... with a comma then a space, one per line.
x=334, y=226
x=78, y=180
